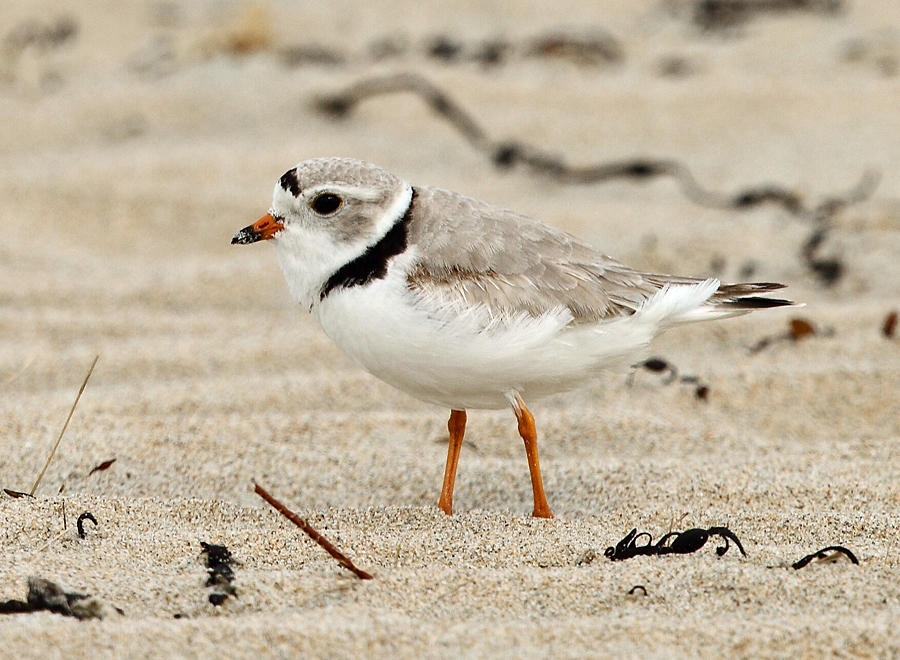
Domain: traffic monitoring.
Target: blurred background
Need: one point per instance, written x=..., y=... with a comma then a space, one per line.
x=748, y=140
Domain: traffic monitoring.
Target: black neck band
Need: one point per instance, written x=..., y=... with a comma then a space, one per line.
x=373, y=263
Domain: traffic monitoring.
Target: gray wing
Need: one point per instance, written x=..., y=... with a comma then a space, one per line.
x=473, y=253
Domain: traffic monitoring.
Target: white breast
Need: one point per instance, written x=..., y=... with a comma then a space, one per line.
x=469, y=360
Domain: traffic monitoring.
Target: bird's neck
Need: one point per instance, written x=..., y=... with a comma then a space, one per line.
x=308, y=261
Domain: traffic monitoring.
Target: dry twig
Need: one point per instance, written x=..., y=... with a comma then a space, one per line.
x=329, y=547
x=65, y=426
x=507, y=153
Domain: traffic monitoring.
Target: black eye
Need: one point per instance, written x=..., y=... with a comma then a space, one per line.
x=326, y=203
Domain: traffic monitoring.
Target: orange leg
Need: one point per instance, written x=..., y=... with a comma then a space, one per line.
x=457, y=427
x=529, y=435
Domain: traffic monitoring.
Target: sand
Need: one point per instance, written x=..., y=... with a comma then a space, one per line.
x=134, y=149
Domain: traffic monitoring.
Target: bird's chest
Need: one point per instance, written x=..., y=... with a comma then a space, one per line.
x=377, y=325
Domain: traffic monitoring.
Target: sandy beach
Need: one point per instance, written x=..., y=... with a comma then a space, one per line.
x=137, y=140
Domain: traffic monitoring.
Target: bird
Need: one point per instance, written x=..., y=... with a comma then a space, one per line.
x=468, y=305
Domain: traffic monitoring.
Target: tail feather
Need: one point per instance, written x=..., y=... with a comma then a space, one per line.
x=707, y=300
x=754, y=302
x=745, y=296
x=744, y=288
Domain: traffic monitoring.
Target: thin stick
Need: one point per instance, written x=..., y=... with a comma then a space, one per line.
x=65, y=426
x=313, y=534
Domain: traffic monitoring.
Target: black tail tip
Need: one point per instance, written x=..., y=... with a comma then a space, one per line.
x=756, y=302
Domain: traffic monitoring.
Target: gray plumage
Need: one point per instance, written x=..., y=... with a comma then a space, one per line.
x=470, y=252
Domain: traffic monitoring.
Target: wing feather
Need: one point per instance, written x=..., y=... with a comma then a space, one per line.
x=471, y=253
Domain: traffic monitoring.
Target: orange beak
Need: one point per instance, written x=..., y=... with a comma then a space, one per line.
x=261, y=230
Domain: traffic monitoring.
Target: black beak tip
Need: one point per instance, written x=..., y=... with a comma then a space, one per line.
x=245, y=236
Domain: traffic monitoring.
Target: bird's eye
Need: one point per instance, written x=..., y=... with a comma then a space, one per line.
x=326, y=203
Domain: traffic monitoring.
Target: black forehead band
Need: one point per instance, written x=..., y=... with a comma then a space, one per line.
x=290, y=182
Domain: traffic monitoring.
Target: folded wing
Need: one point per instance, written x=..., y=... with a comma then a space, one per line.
x=472, y=253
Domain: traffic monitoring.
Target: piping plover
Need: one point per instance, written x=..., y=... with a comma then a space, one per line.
x=464, y=304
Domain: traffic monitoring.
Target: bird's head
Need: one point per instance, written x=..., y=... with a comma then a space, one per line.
x=326, y=212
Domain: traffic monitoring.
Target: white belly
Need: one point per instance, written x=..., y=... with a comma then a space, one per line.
x=463, y=360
